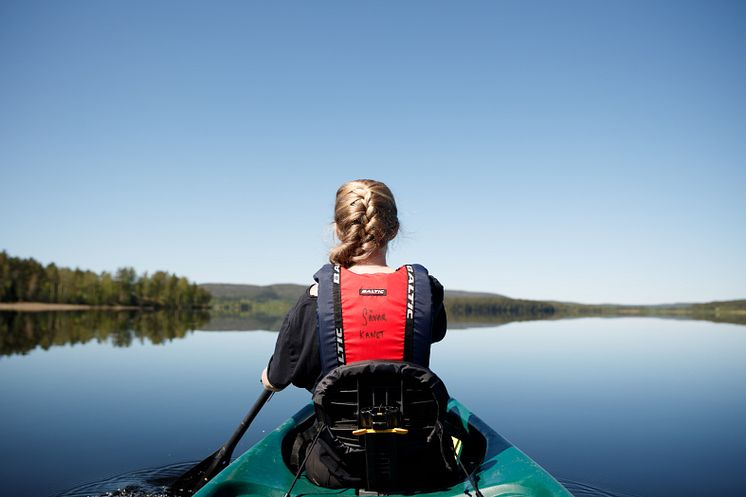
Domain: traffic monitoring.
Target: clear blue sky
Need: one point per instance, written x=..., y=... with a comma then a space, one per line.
x=583, y=151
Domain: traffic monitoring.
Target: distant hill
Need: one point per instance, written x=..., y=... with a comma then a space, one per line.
x=269, y=303
x=463, y=293
x=228, y=291
x=722, y=305
x=291, y=291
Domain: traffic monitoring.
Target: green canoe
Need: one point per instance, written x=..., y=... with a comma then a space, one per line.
x=499, y=470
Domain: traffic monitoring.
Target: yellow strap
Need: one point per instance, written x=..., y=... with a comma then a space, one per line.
x=371, y=431
x=456, y=445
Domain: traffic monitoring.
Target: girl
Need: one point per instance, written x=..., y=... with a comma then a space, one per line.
x=365, y=218
x=360, y=309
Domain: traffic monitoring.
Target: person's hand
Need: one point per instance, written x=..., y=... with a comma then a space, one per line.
x=266, y=383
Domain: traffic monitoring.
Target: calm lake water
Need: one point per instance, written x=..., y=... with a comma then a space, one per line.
x=628, y=406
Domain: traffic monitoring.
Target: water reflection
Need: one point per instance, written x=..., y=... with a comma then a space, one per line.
x=22, y=332
x=222, y=321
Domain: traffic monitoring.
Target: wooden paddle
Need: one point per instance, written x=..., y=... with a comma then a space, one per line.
x=194, y=479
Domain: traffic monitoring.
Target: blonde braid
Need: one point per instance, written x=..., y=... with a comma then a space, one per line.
x=366, y=218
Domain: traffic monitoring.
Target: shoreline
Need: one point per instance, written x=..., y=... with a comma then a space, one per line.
x=45, y=306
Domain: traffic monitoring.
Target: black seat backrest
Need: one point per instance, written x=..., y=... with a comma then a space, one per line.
x=393, y=461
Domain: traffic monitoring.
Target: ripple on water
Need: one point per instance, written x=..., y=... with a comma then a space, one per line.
x=579, y=489
x=150, y=482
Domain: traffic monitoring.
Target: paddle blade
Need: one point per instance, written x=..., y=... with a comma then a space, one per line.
x=194, y=479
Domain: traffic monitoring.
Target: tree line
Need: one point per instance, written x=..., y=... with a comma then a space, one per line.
x=26, y=280
x=467, y=307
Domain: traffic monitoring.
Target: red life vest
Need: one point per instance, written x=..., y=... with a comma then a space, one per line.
x=379, y=316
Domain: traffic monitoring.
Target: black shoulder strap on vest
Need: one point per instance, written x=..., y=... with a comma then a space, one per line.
x=329, y=323
x=422, y=323
x=338, y=328
x=409, y=322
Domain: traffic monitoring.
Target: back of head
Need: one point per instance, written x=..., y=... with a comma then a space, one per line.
x=366, y=218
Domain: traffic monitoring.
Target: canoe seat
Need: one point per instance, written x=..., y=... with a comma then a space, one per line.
x=383, y=424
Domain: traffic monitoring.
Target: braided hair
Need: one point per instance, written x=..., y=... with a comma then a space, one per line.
x=366, y=218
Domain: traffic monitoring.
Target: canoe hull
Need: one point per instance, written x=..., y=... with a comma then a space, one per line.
x=505, y=471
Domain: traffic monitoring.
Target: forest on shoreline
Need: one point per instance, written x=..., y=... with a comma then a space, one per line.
x=27, y=280
x=78, y=306
x=27, y=285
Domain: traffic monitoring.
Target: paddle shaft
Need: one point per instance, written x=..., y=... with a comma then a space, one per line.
x=226, y=451
x=194, y=479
